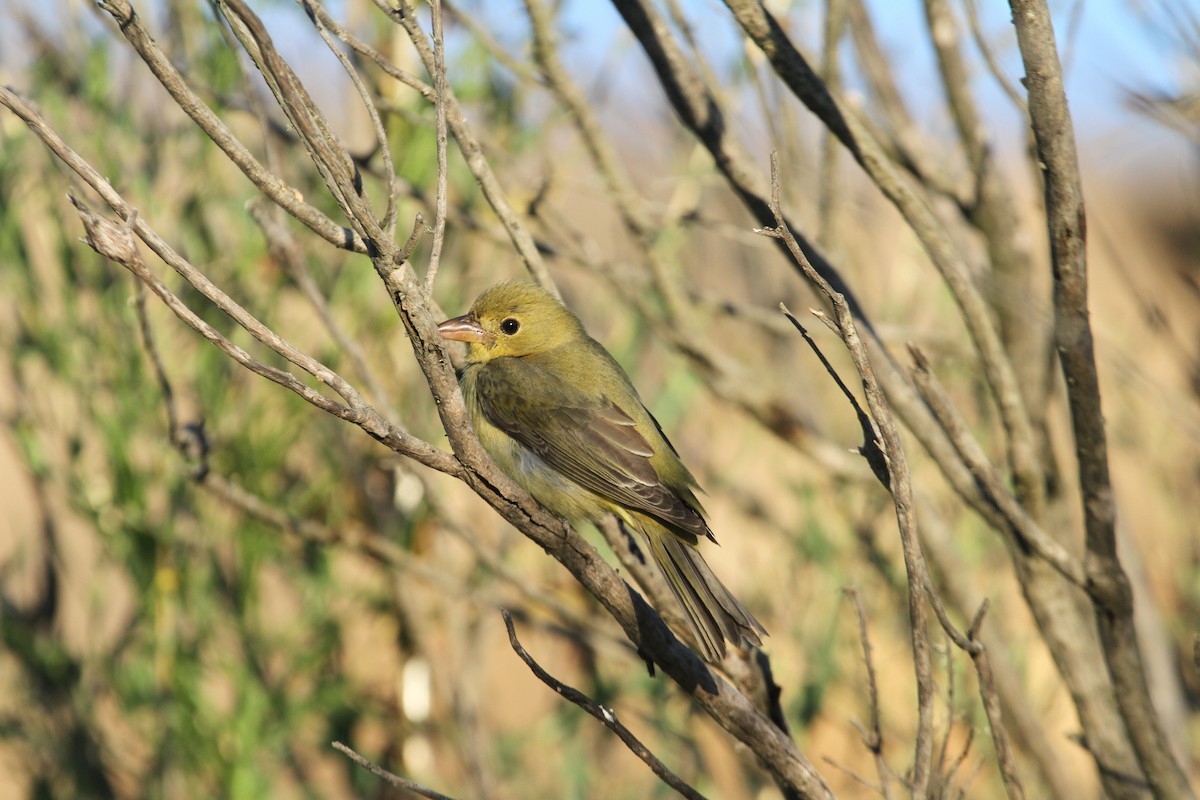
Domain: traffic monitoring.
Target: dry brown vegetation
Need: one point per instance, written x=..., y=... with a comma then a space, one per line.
x=206, y=577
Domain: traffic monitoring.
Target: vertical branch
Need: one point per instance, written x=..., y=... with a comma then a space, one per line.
x=1067, y=223
x=993, y=213
x=472, y=150
x=991, y=707
x=828, y=185
x=899, y=483
x=389, y=169
x=439, y=88
x=873, y=738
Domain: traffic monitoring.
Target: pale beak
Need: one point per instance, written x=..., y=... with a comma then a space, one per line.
x=464, y=329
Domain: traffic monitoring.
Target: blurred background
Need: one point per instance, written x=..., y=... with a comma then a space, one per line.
x=201, y=615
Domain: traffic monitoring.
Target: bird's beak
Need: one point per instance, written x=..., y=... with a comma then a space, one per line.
x=464, y=329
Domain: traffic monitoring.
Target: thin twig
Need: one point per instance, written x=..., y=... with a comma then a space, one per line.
x=909, y=146
x=271, y=185
x=472, y=151
x=392, y=190
x=439, y=87
x=991, y=706
x=160, y=371
x=994, y=214
x=829, y=183
x=283, y=247
x=387, y=553
x=362, y=48
x=338, y=170
x=606, y=715
x=117, y=242
x=869, y=449
x=910, y=200
x=942, y=547
x=469, y=19
x=989, y=58
x=969, y=643
x=391, y=777
x=1020, y=525
x=900, y=486
x=418, y=230
x=873, y=737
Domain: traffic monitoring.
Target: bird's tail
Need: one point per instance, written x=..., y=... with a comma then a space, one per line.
x=714, y=613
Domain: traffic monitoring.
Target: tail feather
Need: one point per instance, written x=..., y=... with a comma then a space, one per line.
x=714, y=614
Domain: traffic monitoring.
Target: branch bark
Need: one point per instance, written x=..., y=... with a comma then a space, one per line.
x=642, y=625
x=1066, y=220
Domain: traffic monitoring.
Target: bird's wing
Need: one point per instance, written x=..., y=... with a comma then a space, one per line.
x=588, y=439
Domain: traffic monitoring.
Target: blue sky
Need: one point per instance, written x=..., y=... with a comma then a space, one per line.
x=1109, y=46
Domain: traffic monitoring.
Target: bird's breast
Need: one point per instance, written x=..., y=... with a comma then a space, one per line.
x=556, y=492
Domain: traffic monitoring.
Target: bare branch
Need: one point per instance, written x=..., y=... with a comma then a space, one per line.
x=362, y=48
x=472, y=151
x=1011, y=287
x=911, y=202
x=389, y=170
x=607, y=716
x=330, y=157
x=117, y=243
x=991, y=706
x=900, y=485
x=869, y=449
x=989, y=58
x=1025, y=531
x=283, y=247
x=701, y=113
x=909, y=148
x=130, y=25
x=439, y=86
x=1066, y=220
x=829, y=182
x=391, y=777
x=873, y=737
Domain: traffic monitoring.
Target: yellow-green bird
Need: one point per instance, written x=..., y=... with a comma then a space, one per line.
x=558, y=414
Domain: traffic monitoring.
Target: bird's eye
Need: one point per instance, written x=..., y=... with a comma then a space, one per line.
x=510, y=326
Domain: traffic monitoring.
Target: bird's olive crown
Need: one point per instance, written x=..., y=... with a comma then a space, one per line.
x=523, y=319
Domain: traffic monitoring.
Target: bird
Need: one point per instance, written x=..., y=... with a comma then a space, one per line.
x=561, y=417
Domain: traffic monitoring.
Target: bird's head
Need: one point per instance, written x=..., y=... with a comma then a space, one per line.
x=512, y=319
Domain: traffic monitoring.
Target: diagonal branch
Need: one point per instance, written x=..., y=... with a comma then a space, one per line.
x=914, y=206
x=1025, y=532
x=331, y=159
x=900, y=486
x=268, y=183
x=993, y=212
x=472, y=151
x=606, y=715
x=395, y=780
